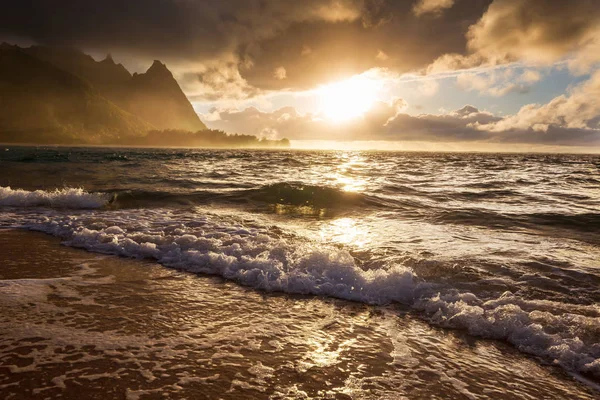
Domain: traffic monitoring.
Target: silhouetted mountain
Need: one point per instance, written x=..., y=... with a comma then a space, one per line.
x=157, y=97
x=154, y=96
x=40, y=103
x=104, y=75
x=63, y=96
x=206, y=138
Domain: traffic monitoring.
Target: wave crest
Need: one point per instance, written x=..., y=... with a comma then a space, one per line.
x=299, y=194
x=563, y=333
x=59, y=198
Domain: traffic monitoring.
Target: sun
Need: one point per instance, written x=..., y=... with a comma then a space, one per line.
x=346, y=100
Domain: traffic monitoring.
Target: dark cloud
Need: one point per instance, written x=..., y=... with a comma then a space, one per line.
x=239, y=48
x=393, y=38
x=179, y=29
x=450, y=127
x=258, y=36
x=435, y=7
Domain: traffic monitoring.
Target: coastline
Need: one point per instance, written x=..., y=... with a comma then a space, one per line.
x=78, y=324
x=340, y=146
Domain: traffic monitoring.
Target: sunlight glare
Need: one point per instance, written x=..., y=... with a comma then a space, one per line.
x=349, y=99
x=345, y=177
x=347, y=231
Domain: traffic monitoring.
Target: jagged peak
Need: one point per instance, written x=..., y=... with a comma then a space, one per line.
x=109, y=59
x=158, y=67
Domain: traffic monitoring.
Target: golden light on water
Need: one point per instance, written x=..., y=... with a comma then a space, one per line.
x=351, y=184
x=326, y=352
x=345, y=176
x=345, y=231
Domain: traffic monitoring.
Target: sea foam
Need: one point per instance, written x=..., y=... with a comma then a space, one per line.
x=562, y=333
x=59, y=198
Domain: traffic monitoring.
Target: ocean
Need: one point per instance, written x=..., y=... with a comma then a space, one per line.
x=298, y=274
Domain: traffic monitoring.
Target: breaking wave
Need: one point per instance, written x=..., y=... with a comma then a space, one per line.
x=562, y=333
x=59, y=198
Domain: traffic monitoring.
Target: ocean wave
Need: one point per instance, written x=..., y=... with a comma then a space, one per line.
x=279, y=193
x=59, y=198
x=489, y=194
x=154, y=199
x=562, y=333
x=252, y=257
x=551, y=330
x=116, y=157
x=582, y=222
x=49, y=157
x=299, y=194
x=293, y=195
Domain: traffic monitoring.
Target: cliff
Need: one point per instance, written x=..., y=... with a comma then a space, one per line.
x=59, y=95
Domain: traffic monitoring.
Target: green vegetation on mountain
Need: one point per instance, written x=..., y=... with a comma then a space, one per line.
x=40, y=103
x=207, y=138
x=63, y=96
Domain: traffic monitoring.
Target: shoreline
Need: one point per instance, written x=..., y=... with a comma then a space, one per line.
x=581, y=152
x=74, y=323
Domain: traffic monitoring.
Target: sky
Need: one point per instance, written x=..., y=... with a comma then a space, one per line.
x=459, y=74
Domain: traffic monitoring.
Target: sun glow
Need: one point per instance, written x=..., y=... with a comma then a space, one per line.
x=349, y=99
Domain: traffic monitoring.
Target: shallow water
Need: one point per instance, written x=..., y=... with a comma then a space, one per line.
x=499, y=246
x=79, y=325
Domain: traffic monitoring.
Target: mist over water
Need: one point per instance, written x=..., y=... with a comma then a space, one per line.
x=503, y=246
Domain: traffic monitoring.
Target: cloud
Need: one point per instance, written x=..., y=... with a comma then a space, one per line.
x=531, y=76
x=572, y=119
x=287, y=122
x=580, y=110
x=535, y=31
x=316, y=40
x=498, y=82
x=305, y=51
x=388, y=34
x=280, y=73
x=431, y=6
x=209, y=81
x=385, y=121
x=447, y=127
x=381, y=56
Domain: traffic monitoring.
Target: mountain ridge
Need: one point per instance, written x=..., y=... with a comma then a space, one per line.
x=64, y=95
x=155, y=95
x=42, y=103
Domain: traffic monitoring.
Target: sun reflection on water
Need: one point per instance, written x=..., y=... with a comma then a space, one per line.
x=345, y=231
x=346, y=177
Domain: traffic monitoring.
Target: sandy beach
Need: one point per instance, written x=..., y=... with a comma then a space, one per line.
x=78, y=325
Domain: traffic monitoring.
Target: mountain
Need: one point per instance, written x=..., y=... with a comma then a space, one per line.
x=40, y=103
x=155, y=96
x=58, y=95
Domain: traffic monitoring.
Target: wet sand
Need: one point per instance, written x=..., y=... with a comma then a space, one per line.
x=79, y=325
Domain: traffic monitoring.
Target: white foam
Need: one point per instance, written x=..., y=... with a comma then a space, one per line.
x=569, y=340
x=561, y=333
x=261, y=262
x=59, y=198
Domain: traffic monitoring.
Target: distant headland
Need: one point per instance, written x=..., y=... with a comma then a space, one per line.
x=52, y=95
